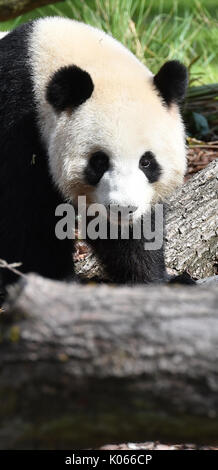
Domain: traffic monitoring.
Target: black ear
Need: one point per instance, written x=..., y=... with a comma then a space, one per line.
x=171, y=81
x=69, y=87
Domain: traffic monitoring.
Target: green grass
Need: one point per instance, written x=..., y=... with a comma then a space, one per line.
x=154, y=30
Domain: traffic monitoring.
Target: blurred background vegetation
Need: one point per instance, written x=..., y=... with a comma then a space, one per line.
x=156, y=31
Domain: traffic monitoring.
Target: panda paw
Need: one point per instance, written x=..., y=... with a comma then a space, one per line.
x=183, y=278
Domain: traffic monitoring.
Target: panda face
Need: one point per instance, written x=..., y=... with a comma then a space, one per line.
x=113, y=131
x=121, y=153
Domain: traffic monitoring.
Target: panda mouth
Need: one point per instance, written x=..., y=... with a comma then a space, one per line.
x=120, y=215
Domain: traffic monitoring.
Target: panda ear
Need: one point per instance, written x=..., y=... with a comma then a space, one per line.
x=69, y=87
x=171, y=81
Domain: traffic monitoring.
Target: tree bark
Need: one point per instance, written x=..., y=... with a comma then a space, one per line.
x=191, y=225
x=85, y=365
x=11, y=8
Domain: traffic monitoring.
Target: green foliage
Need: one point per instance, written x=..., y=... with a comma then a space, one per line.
x=200, y=124
x=201, y=110
x=154, y=30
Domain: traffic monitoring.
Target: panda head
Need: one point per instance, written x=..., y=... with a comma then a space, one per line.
x=117, y=138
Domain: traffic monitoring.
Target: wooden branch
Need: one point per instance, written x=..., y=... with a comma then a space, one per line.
x=81, y=366
x=11, y=8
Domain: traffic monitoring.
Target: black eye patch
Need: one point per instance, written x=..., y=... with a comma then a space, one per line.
x=97, y=165
x=150, y=167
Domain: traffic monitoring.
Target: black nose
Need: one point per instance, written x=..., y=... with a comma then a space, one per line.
x=123, y=209
x=132, y=209
x=97, y=165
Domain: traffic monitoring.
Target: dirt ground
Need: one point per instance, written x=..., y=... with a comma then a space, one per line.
x=199, y=155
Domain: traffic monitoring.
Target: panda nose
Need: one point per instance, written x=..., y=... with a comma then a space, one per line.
x=97, y=165
x=132, y=209
x=125, y=209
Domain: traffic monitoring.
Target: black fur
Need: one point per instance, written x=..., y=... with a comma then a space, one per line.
x=28, y=198
x=127, y=261
x=97, y=165
x=183, y=278
x=69, y=87
x=171, y=82
x=150, y=167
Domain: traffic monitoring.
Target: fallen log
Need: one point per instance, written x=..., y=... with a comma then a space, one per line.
x=81, y=366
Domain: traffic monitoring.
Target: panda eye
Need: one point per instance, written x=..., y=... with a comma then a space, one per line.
x=99, y=161
x=145, y=160
x=150, y=167
x=97, y=165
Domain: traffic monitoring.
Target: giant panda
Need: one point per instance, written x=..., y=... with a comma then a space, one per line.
x=81, y=115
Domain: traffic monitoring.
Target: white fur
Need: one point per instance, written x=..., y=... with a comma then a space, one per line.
x=124, y=117
x=3, y=33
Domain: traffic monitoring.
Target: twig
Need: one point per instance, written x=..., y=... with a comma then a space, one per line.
x=204, y=146
x=12, y=267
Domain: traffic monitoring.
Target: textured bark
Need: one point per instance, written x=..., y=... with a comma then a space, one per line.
x=192, y=225
x=84, y=365
x=11, y=8
x=191, y=242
